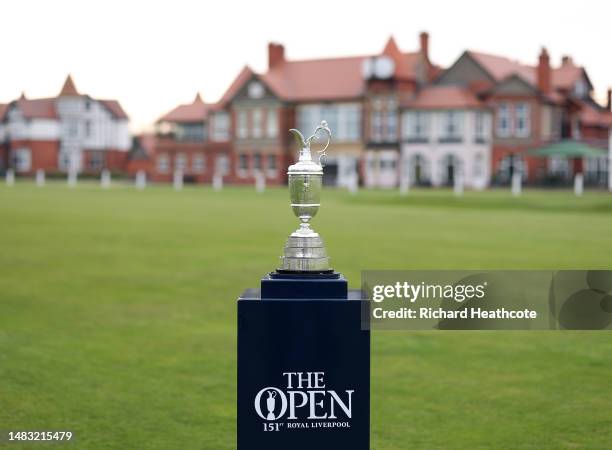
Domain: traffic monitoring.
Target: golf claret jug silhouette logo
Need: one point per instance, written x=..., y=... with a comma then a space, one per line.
x=269, y=395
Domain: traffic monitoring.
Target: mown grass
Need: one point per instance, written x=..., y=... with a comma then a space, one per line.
x=117, y=314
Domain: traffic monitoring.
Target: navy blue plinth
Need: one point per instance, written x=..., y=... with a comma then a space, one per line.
x=313, y=331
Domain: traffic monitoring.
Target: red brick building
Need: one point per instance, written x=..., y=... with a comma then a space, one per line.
x=358, y=96
x=499, y=110
x=194, y=139
x=533, y=106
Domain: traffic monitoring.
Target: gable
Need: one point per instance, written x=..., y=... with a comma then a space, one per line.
x=513, y=85
x=464, y=71
x=254, y=90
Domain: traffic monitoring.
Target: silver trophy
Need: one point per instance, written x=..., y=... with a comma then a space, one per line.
x=304, y=250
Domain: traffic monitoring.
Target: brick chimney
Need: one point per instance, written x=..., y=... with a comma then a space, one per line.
x=609, y=102
x=544, y=75
x=276, y=55
x=566, y=59
x=424, y=41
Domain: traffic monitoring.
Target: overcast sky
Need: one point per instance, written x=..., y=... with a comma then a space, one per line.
x=153, y=55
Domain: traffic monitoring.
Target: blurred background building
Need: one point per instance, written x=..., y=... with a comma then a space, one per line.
x=393, y=114
x=70, y=131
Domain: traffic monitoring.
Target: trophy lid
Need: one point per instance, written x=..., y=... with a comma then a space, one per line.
x=305, y=164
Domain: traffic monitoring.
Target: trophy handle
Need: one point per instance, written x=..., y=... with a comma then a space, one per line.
x=325, y=128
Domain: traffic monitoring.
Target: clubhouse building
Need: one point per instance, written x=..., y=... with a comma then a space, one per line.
x=396, y=116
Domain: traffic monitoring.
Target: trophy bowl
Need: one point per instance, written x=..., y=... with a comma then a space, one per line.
x=305, y=192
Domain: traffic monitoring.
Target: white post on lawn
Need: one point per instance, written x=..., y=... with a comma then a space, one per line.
x=141, y=180
x=458, y=185
x=578, y=184
x=353, y=185
x=217, y=182
x=72, y=178
x=404, y=180
x=177, y=180
x=517, y=184
x=10, y=177
x=260, y=182
x=105, y=179
x=40, y=178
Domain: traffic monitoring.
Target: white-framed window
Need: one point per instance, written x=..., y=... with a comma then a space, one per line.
x=415, y=125
x=391, y=121
x=72, y=128
x=243, y=164
x=242, y=126
x=451, y=125
x=88, y=128
x=387, y=164
x=163, y=163
x=257, y=161
x=220, y=126
x=343, y=119
x=22, y=159
x=480, y=127
x=351, y=117
x=522, y=122
x=256, y=122
x=383, y=120
x=198, y=163
x=271, y=163
x=95, y=161
x=272, y=123
x=376, y=121
x=503, y=124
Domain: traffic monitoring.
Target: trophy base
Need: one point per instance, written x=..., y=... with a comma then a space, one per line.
x=305, y=253
x=291, y=284
x=280, y=273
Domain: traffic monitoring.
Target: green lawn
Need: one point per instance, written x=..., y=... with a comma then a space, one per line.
x=117, y=314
